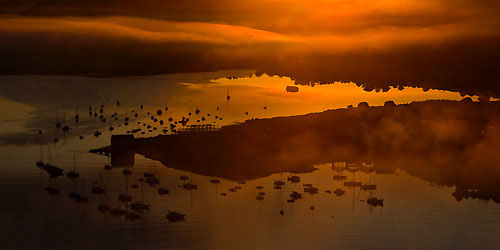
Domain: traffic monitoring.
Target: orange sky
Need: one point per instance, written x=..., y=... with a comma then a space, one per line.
x=331, y=24
x=411, y=42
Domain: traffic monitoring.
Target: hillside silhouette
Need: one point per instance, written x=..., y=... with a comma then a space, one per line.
x=445, y=142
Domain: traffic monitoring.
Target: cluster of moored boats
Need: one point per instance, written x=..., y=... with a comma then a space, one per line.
x=342, y=167
x=154, y=120
x=134, y=209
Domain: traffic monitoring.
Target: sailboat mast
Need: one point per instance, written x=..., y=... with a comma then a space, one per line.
x=50, y=158
x=142, y=190
x=41, y=149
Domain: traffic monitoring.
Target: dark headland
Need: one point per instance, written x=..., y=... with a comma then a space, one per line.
x=452, y=143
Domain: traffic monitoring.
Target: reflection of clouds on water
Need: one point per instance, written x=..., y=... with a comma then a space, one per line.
x=55, y=92
x=51, y=97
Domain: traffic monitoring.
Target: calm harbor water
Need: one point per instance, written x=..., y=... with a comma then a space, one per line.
x=416, y=214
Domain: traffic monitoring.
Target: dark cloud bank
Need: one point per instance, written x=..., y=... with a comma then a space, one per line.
x=450, y=45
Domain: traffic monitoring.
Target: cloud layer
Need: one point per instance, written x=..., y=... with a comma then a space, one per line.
x=434, y=44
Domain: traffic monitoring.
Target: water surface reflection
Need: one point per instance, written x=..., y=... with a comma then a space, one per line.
x=225, y=204
x=415, y=214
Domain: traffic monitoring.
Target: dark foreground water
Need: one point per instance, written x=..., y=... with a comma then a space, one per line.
x=415, y=215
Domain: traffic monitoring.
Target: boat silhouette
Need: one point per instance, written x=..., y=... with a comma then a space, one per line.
x=139, y=206
x=73, y=174
x=163, y=191
x=374, y=201
x=98, y=190
x=295, y=195
x=367, y=187
x=126, y=172
x=174, y=216
x=124, y=198
x=148, y=175
x=39, y=164
x=103, y=208
x=52, y=170
x=310, y=189
x=189, y=186
x=294, y=179
x=339, y=192
x=117, y=212
x=352, y=183
x=339, y=177
x=152, y=181
x=215, y=181
x=279, y=183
